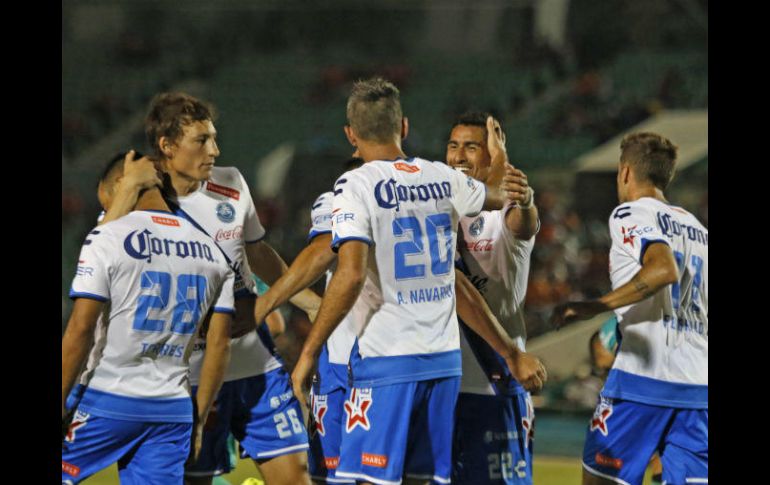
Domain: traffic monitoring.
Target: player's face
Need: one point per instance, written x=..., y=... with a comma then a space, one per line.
x=467, y=151
x=195, y=151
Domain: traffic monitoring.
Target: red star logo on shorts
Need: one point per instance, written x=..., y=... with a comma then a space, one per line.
x=599, y=421
x=78, y=422
x=628, y=238
x=356, y=407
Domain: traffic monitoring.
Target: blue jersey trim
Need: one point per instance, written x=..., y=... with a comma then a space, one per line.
x=646, y=244
x=80, y=294
x=337, y=241
x=219, y=309
x=150, y=410
x=646, y=390
x=397, y=369
x=314, y=234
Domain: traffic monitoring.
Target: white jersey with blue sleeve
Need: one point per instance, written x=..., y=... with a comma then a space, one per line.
x=663, y=354
x=222, y=207
x=408, y=211
x=161, y=276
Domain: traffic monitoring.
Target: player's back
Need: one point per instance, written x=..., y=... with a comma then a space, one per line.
x=161, y=276
x=664, y=337
x=409, y=210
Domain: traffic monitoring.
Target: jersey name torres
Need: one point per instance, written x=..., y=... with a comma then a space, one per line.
x=223, y=208
x=160, y=275
x=408, y=211
x=663, y=354
x=497, y=263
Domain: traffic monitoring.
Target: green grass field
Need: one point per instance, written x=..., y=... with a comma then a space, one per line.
x=548, y=471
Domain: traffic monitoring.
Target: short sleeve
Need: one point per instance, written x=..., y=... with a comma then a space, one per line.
x=469, y=193
x=321, y=216
x=225, y=301
x=92, y=273
x=252, y=227
x=633, y=228
x=350, y=219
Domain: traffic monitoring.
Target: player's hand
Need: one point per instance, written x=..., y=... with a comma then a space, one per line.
x=516, y=186
x=299, y=377
x=574, y=311
x=527, y=370
x=497, y=152
x=141, y=173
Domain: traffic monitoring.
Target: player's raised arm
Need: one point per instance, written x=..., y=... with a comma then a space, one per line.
x=474, y=311
x=309, y=265
x=521, y=218
x=138, y=174
x=269, y=266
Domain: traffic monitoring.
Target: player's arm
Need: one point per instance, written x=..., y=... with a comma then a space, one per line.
x=77, y=342
x=659, y=270
x=474, y=311
x=215, y=362
x=343, y=290
x=137, y=175
x=309, y=265
x=275, y=323
x=269, y=266
x=522, y=218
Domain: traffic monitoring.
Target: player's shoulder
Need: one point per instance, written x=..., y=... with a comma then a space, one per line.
x=325, y=198
x=635, y=208
x=229, y=177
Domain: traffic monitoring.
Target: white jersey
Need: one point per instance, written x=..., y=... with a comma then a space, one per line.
x=223, y=208
x=663, y=354
x=408, y=210
x=161, y=276
x=497, y=263
x=333, y=361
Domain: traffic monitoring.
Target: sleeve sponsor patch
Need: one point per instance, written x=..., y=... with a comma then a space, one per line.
x=222, y=190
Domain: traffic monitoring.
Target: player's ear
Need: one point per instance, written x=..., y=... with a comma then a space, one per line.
x=404, y=127
x=351, y=136
x=166, y=146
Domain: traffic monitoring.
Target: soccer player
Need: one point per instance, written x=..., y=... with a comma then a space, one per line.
x=405, y=362
x=656, y=395
x=255, y=402
x=495, y=249
x=155, y=277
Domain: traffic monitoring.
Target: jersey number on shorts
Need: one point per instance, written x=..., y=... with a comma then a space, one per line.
x=282, y=424
x=156, y=285
x=411, y=228
x=694, y=268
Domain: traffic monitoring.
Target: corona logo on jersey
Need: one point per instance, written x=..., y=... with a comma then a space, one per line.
x=142, y=245
x=671, y=227
x=602, y=413
x=356, y=408
x=319, y=411
x=390, y=194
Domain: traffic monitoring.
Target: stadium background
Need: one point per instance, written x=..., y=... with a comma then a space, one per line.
x=563, y=76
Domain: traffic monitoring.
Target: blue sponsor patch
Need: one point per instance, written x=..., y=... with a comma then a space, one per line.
x=225, y=212
x=477, y=227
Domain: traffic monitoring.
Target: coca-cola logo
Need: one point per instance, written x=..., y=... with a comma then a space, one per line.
x=480, y=245
x=234, y=233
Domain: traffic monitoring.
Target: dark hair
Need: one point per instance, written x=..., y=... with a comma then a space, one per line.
x=374, y=110
x=169, y=113
x=352, y=163
x=652, y=157
x=114, y=165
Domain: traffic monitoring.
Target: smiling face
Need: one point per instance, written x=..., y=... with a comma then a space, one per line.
x=467, y=151
x=192, y=155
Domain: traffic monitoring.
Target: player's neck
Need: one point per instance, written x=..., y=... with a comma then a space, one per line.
x=151, y=199
x=183, y=185
x=374, y=151
x=651, y=191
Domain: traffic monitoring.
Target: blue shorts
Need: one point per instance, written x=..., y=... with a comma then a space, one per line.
x=399, y=430
x=263, y=415
x=493, y=440
x=325, y=435
x=147, y=453
x=623, y=435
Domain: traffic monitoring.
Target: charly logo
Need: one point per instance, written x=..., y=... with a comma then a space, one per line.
x=142, y=245
x=390, y=194
x=225, y=212
x=477, y=227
